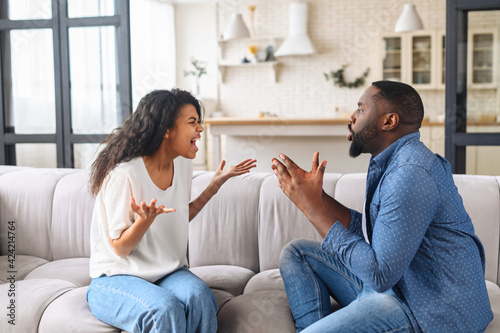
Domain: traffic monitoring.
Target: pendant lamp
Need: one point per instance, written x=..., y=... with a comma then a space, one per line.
x=236, y=28
x=409, y=19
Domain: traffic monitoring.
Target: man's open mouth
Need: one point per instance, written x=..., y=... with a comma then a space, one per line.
x=349, y=135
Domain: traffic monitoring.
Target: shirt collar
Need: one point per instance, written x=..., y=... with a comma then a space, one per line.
x=383, y=159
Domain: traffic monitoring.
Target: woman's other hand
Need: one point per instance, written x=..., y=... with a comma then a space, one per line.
x=148, y=212
x=221, y=175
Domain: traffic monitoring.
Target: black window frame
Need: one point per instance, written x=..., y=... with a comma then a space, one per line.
x=456, y=137
x=64, y=138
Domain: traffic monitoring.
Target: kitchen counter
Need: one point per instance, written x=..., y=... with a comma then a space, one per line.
x=269, y=127
x=286, y=121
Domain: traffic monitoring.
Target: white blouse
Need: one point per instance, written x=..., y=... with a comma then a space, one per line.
x=163, y=248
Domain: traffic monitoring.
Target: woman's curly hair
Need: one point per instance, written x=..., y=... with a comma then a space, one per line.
x=142, y=132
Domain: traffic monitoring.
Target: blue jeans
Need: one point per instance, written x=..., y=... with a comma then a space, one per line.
x=178, y=302
x=311, y=276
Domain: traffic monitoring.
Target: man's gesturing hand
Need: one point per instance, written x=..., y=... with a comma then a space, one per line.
x=303, y=188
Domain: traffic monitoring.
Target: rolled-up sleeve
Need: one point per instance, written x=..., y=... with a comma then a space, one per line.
x=116, y=200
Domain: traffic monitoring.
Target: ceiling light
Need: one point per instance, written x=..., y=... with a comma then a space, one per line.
x=409, y=19
x=236, y=28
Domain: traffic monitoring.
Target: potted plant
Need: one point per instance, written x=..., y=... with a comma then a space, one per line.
x=198, y=69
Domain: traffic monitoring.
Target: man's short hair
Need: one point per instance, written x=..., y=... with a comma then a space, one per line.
x=403, y=99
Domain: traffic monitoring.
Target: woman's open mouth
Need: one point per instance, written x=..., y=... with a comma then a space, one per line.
x=193, y=144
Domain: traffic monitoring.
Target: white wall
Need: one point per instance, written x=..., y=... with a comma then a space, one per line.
x=196, y=37
x=195, y=34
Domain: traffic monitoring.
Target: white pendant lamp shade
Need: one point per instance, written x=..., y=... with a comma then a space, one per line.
x=236, y=28
x=297, y=42
x=409, y=19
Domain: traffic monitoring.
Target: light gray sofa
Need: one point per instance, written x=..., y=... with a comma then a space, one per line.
x=234, y=246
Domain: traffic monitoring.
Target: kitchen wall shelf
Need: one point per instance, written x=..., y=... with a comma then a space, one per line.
x=264, y=64
x=240, y=48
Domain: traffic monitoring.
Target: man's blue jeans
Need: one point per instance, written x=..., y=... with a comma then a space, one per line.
x=178, y=302
x=311, y=276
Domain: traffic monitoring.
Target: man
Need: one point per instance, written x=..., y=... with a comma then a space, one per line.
x=411, y=261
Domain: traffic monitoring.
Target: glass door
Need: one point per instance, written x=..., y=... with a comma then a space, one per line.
x=392, y=64
x=481, y=45
x=421, y=60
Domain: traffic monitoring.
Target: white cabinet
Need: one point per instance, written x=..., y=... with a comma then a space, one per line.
x=414, y=58
x=392, y=63
x=482, y=59
x=422, y=60
x=419, y=59
x=483, y=160
x=432, y=135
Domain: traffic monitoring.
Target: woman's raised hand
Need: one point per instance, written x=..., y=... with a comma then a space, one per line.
x=147, y=212
x=221, y=175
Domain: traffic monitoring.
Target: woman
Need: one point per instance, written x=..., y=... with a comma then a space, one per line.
x=138, y=251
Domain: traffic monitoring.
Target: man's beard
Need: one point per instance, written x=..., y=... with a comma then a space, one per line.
x=360, y=139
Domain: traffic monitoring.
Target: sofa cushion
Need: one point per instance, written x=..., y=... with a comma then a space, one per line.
x=267, y=280
x=224, y=277
x=222, y=297
x=23, y=266
x=70, y=313
x=485, y=217
x=280, y=221
x=72, y=202
x=257, y=312
x=32, y=298
x=75, y=270
x=30, y=207
x=225, y=231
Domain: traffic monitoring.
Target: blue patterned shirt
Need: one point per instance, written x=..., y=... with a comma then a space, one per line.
x=422, y=241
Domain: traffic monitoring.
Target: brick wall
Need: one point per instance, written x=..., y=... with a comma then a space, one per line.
x=342, y=32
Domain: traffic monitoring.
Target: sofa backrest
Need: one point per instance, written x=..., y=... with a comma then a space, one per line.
x=280, y=221
x=225, y=231
x=51, y=209
x=481, y=196
x=71, y=217
x=246, y=224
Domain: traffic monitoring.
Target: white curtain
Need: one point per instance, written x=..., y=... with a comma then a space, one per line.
x=92, y=71
x=152, y=47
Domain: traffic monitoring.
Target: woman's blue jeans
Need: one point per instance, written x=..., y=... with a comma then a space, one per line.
x=311, y=276
x=178, y=302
